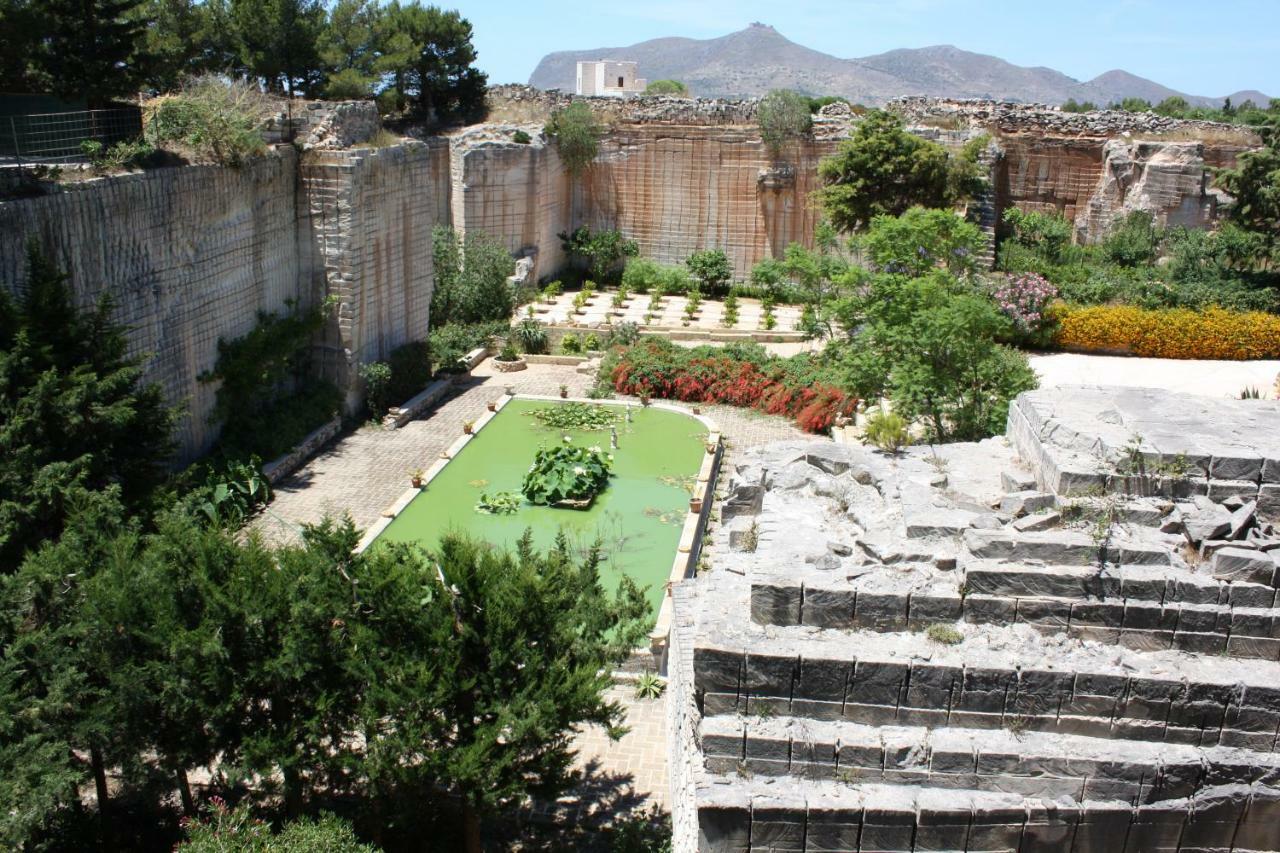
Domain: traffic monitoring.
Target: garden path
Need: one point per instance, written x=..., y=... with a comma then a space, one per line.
x=1190, y=376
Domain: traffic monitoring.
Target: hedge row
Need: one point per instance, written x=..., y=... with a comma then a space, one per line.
x=791, y=387
x=1169, y=333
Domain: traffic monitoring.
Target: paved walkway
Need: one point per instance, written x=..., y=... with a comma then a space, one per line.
x=1206, y=378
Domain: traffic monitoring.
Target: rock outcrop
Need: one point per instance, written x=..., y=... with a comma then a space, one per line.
x=930, y=652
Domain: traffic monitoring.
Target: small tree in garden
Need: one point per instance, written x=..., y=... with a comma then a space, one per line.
x=1255, y=184
x=783, y=115
x=712, y=269
x=576, y=134
x=521, y=647
x=921, y=240
x=471, y=278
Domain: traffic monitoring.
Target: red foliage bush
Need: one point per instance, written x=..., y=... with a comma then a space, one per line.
x=661, y=369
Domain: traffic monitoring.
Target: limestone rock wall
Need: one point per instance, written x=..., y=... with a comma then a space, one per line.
x=677, y=190
x=519, y=193
x=186, y=254
x=371, y=212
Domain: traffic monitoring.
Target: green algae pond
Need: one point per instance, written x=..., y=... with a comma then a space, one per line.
x=637, y=519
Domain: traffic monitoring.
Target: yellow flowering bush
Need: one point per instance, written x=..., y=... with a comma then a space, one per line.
x=1169, y=333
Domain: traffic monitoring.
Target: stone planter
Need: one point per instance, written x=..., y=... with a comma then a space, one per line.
x=510, y=366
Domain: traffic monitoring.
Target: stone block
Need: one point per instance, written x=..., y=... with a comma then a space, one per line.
x=930, y=609
x=1242, y=519
x=1207, y=520
x=828, y=608
x=823, y=680
x=724, y=830
x=1241, y=465
x=776, y=603
x=1016, y=481
x=880, y=611
x=1039, y=521
x=1241, y=564
x=1019, y=504
x=1222, y=489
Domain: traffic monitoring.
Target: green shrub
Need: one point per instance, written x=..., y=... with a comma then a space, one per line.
x=783, y=115
x=471, y=278
x=570, y=345
x=576, y=134
x=213, y=119
x=624, y=334
x=122, y=156
x=450, y=343
x=601, y=251
x=410, y=370
x=730, y=311
x=521, y=138
x=667, y=87
x=268, y=398
x=377, y=377
x=946, y=635
x=921, y=240
x=591, y=342
x=551, y=290
x=531, y=336
x=889, y=431
x=711, y=269
x=1133, y=240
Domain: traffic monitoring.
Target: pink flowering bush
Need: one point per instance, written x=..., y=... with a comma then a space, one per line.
x=1024, y=298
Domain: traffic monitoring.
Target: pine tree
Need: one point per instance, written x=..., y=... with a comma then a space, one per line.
x=521, y=647
x=93, y=49
x=428, y=52
x=278, y=41
x=75, y=415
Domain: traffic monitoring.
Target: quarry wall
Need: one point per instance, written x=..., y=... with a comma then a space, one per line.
x=194, y=253
x=187, y=255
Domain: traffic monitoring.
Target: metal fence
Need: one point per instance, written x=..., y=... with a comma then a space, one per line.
x=57, y=137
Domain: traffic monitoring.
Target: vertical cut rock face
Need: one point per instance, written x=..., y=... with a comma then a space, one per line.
x=941, y=651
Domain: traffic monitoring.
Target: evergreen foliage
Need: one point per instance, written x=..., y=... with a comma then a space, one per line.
x=90, y=48
x=882, y=170
x=393, y=677
x=278, y=41
x=75, y=413
x=667, y=87
x=600, y=251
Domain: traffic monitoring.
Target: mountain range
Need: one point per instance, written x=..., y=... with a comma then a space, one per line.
x=755, y=60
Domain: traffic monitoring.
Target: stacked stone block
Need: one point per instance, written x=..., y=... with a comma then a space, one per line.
x=893, y=661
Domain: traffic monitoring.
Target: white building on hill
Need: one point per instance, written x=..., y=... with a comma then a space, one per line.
x=609, y=78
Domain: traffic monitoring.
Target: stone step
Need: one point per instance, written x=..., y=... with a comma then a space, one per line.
x=743, y=814
x=1155, y=584
x=997, y=677
x=1064, y=548
x=1033, y=764
x=1006, y=596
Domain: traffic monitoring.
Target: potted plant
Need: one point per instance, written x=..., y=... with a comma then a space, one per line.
x=711, y=448
x=468, y=427
x=564, y=392
x=416, y=478
x=644, y=398
x=695, y=505
x=509, y=360
x=492, y=405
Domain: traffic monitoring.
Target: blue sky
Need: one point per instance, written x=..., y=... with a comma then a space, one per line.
x=1204, y=48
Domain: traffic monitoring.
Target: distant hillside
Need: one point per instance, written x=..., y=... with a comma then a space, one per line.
x=752, y=61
